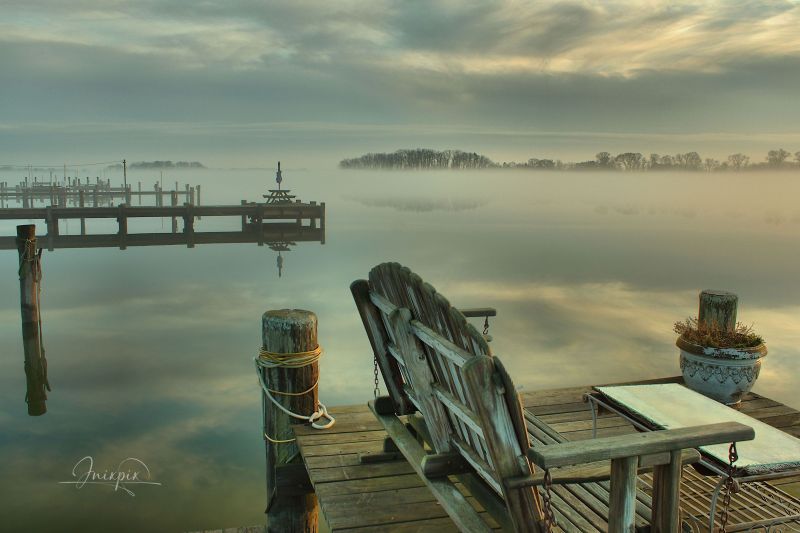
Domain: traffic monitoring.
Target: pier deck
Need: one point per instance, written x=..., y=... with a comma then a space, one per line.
x=388, y=496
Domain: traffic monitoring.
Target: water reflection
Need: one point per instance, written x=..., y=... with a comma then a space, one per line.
x=151, y=349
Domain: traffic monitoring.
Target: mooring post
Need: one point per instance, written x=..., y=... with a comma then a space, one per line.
x=30, y=275
x=174, y=197
x=188, y=225
x=122, y=220
x=288, y=331
x=82, y=203
x=52, y=227
x=718, y=309
x=139, y=189
x=322, y=221
x=244, y=217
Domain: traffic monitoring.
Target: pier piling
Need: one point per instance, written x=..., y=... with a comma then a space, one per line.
x=288, y=331
x=30, y=275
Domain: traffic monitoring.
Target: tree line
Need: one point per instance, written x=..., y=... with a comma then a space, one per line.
x=424, y=158
x=420, y=158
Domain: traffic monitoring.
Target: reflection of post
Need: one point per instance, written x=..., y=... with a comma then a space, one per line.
x=30, y=274
x=288, y=331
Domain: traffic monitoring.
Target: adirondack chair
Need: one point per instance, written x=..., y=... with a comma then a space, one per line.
x=439, y=370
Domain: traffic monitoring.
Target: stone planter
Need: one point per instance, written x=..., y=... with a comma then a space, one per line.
x=724, y=374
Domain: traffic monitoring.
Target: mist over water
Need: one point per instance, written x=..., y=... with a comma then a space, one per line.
x=150, y=349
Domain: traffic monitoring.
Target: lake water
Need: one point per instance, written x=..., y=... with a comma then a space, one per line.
x=150, y=349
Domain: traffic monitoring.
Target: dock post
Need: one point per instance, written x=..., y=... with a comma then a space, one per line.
x=122, y=220
x=140, y=192
x=244, y=217
x=82, y=203
x=322, y=221
x=718, y=309
x=198, y=195
x=188, y=225
x=52, y=227
x=128, y=195
x=260, y=222
x=174, y=196
x=157, y=194
x=313, y=218
x=288, y=331
x=188, y=194
x=30, y=274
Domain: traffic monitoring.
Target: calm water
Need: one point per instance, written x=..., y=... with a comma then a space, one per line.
x=150, y=349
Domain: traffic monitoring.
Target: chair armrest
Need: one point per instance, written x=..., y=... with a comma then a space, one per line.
x=596, y=471
x=589, y=451
x=470, y=312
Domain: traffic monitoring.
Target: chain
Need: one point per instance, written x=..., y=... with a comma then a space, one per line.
x=549, y=516
x=375, y=373
x=730, y=487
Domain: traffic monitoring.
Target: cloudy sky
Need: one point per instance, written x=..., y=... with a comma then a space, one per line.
x=238, y=82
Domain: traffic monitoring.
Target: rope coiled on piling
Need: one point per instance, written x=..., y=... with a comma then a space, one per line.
x=266, y=359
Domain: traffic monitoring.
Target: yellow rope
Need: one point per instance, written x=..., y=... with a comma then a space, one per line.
x=289, y=360
x=314, y=386
x=267, y=359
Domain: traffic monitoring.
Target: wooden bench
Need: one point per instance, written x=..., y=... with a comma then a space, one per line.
x=443, y=380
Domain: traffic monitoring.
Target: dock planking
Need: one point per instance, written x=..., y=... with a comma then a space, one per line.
x=387, y=496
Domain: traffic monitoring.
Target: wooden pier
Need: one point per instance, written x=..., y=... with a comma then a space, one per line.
x=260, y=223
x=94, y=194
x=387, y=495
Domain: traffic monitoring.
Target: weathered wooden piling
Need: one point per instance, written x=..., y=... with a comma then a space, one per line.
x=82, y=203
x=718, y=309
x=30, y=275
x=288, y=331
x=174, y=198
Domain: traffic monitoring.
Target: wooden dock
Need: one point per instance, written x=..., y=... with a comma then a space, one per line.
x=388, y=495
x=259, y=223
x=86, y=193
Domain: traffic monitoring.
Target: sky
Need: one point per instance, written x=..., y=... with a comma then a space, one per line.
x=237, y=83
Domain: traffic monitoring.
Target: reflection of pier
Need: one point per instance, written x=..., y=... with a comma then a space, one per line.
x=272, y=232
x=261, y=223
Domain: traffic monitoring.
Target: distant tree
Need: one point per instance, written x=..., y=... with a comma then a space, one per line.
x=738, y=161
x=667, y=161
x=775, y=158
x=629, y=161
x=689, y=161
x=710, y=164
x=604, y=160
x=654, y=161
x=797, y=157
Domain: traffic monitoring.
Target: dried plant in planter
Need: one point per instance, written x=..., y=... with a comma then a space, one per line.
x=715, y=337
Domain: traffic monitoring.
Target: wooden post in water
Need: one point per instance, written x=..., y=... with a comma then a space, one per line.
x=288, y=331
x=174, y=197
x=188, y=225
x=139, y=189
x=718, y=309
x=122, y=221
x=322, y=221
x=29, y=278
x=82, y=203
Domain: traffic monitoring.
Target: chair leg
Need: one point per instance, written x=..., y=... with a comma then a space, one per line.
x=666, y=495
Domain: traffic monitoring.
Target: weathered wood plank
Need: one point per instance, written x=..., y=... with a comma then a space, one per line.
x=571, y=453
